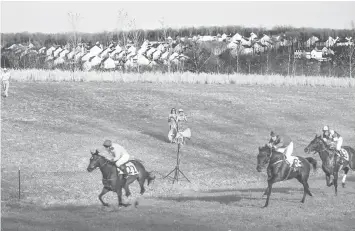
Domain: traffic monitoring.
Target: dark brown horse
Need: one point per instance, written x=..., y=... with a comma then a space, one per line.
x=331, y=163
x=279, y=170
x=112, y=181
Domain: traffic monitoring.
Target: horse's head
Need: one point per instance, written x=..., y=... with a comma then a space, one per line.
x=316, y=145
x=95, y=160
x=263, y=157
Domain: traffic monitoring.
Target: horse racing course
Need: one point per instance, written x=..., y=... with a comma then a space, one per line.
x=48, y=130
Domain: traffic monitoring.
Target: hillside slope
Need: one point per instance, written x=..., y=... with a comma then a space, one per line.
x=49, y=128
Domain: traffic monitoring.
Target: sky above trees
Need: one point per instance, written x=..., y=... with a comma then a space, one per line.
x=52, y=16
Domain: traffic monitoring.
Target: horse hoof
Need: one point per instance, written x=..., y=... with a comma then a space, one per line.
x=264, y=207
x=123, y=205
x=343, y=184
x=128, y=194
x=105, y=204
x=136, y=204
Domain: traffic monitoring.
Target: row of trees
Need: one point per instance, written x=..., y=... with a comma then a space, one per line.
x=41, y=39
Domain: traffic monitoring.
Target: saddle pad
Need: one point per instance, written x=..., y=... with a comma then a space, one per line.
x=130, y=168
x=297, y=162
x=345, y=153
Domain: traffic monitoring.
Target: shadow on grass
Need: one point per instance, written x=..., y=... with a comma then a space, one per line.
x=259, y=190
x=157, y=135
x=238, y=195
x=223, y=199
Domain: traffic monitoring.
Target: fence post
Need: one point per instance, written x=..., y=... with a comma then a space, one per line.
x=19, y=183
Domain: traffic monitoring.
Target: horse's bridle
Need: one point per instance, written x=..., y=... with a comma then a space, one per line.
x=106, y=162
x=269, y=158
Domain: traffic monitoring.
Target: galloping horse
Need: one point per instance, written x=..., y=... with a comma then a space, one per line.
x=331, y=163
x=112, y=181
x=279, y=170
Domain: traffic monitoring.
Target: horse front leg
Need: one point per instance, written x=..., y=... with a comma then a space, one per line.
x=328, y=180
x=336, y=182
x=269, y=188
x=266, y=191
x=103, y=192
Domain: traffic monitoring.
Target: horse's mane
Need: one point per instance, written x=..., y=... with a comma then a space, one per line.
x=325, y=143
x=97, y=152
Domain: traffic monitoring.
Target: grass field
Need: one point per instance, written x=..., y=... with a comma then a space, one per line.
x=48, y=129
x=186, y=77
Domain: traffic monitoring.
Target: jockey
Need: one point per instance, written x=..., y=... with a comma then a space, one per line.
x=119, y=154
x=282, y=144
x=330, y=135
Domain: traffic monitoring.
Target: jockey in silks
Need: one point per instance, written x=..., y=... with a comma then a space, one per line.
x=282, y=144
x=119, y=154
x=330, y=135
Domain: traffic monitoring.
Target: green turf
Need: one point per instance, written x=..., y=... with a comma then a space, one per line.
x=48, y=130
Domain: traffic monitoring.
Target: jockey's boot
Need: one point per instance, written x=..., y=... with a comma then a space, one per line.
x=293, y=164
x=124, y=170
x=338, y=153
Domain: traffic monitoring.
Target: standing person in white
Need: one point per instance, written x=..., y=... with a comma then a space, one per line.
x=5, y=80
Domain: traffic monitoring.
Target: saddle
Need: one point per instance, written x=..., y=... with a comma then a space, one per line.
x=295, y=162
x=342, y=154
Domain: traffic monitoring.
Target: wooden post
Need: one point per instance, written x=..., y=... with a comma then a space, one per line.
x=19, y=183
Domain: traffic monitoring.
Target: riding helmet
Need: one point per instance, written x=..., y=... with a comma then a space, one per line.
x=107, y=143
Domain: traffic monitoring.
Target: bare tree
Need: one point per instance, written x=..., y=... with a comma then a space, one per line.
x=163, y=27
x=135, y=35
x=268, y=53
x=74, y=19
x=122, y=18
x=170, y=47
x=351, y=50
x=198, y=56
x=237, y=51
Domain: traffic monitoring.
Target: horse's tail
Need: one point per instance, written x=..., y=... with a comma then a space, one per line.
x=312, y=161
x=150, y=177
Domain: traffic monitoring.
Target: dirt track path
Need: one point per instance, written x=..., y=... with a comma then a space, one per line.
x=219, y=209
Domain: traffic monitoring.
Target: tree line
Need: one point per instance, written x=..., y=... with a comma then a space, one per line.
x=44, y=39
x=212, y=57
